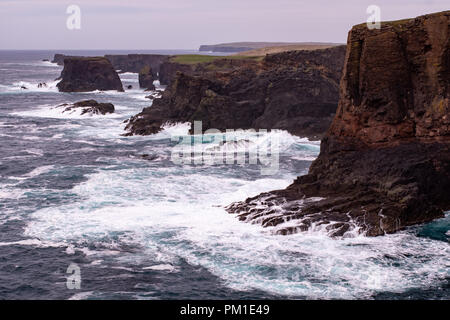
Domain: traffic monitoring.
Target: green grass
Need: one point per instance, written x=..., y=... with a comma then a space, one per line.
x=198, y=58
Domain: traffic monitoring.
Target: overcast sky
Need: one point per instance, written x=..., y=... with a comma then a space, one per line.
x=186, y=24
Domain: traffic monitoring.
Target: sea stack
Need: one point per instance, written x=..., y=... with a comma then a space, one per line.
x=82, y=74
x=146, y=78
x=384, y=163
x=89, y=107
x=297, y=91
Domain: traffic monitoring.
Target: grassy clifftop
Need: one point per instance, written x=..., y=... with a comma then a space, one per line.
x=197, y=58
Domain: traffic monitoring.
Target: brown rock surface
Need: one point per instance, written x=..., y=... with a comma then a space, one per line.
x=385, y=161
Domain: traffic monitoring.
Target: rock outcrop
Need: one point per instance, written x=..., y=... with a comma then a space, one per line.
x=168, y=71
x=59, y=58
x=236, y=47
x=146, y=78
x=89, y=106
x=297, y=91
x=135, y=62
x=384, y=163
x=81, y=74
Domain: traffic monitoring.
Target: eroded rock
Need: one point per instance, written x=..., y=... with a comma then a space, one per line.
x=81, y=74
x=385, y=161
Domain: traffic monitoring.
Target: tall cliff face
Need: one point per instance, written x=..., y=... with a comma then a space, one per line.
x=127, y=62
x=296, y=91
x=385, y=161
x=135, y=62
x=82, y=74
x=396, y=82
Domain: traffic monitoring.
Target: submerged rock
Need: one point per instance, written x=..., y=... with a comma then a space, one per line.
x=385, y=161
x=89, y=106
x=81, y=74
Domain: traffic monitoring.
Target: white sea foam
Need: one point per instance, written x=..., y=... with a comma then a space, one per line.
x=178, y=213
x=34, y=173
x=177, y=129
x=36, y=152
x=11, y=193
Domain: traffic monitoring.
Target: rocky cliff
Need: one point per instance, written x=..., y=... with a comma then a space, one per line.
x=296, y=91
x=135, y=62
x=385, y=161
x=81, y=74
x=146, y=78
x=59, y=58
x=168, y=71
x=127, y=62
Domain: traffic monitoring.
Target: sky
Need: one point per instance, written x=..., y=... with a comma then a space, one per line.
x=187, y=24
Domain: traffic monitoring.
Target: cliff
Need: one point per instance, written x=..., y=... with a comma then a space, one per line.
x=82, y=74
x=296, y=91
x=169, y=69
x=385, y=161
x=126, y=62
x=89, y=107
x=146, y=78
x=135, y=62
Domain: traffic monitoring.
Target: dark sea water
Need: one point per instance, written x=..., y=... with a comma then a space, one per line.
x=74, y=191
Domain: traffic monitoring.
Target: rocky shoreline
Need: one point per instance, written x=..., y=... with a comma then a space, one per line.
x=296, y=91
x=384, y=163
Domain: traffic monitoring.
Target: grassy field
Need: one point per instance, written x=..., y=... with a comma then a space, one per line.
x=198, y=58
x=278, y=49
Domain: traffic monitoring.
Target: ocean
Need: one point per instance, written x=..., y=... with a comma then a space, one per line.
x=74, y=191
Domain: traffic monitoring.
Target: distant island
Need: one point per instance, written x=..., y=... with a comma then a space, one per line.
x=234, y=47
